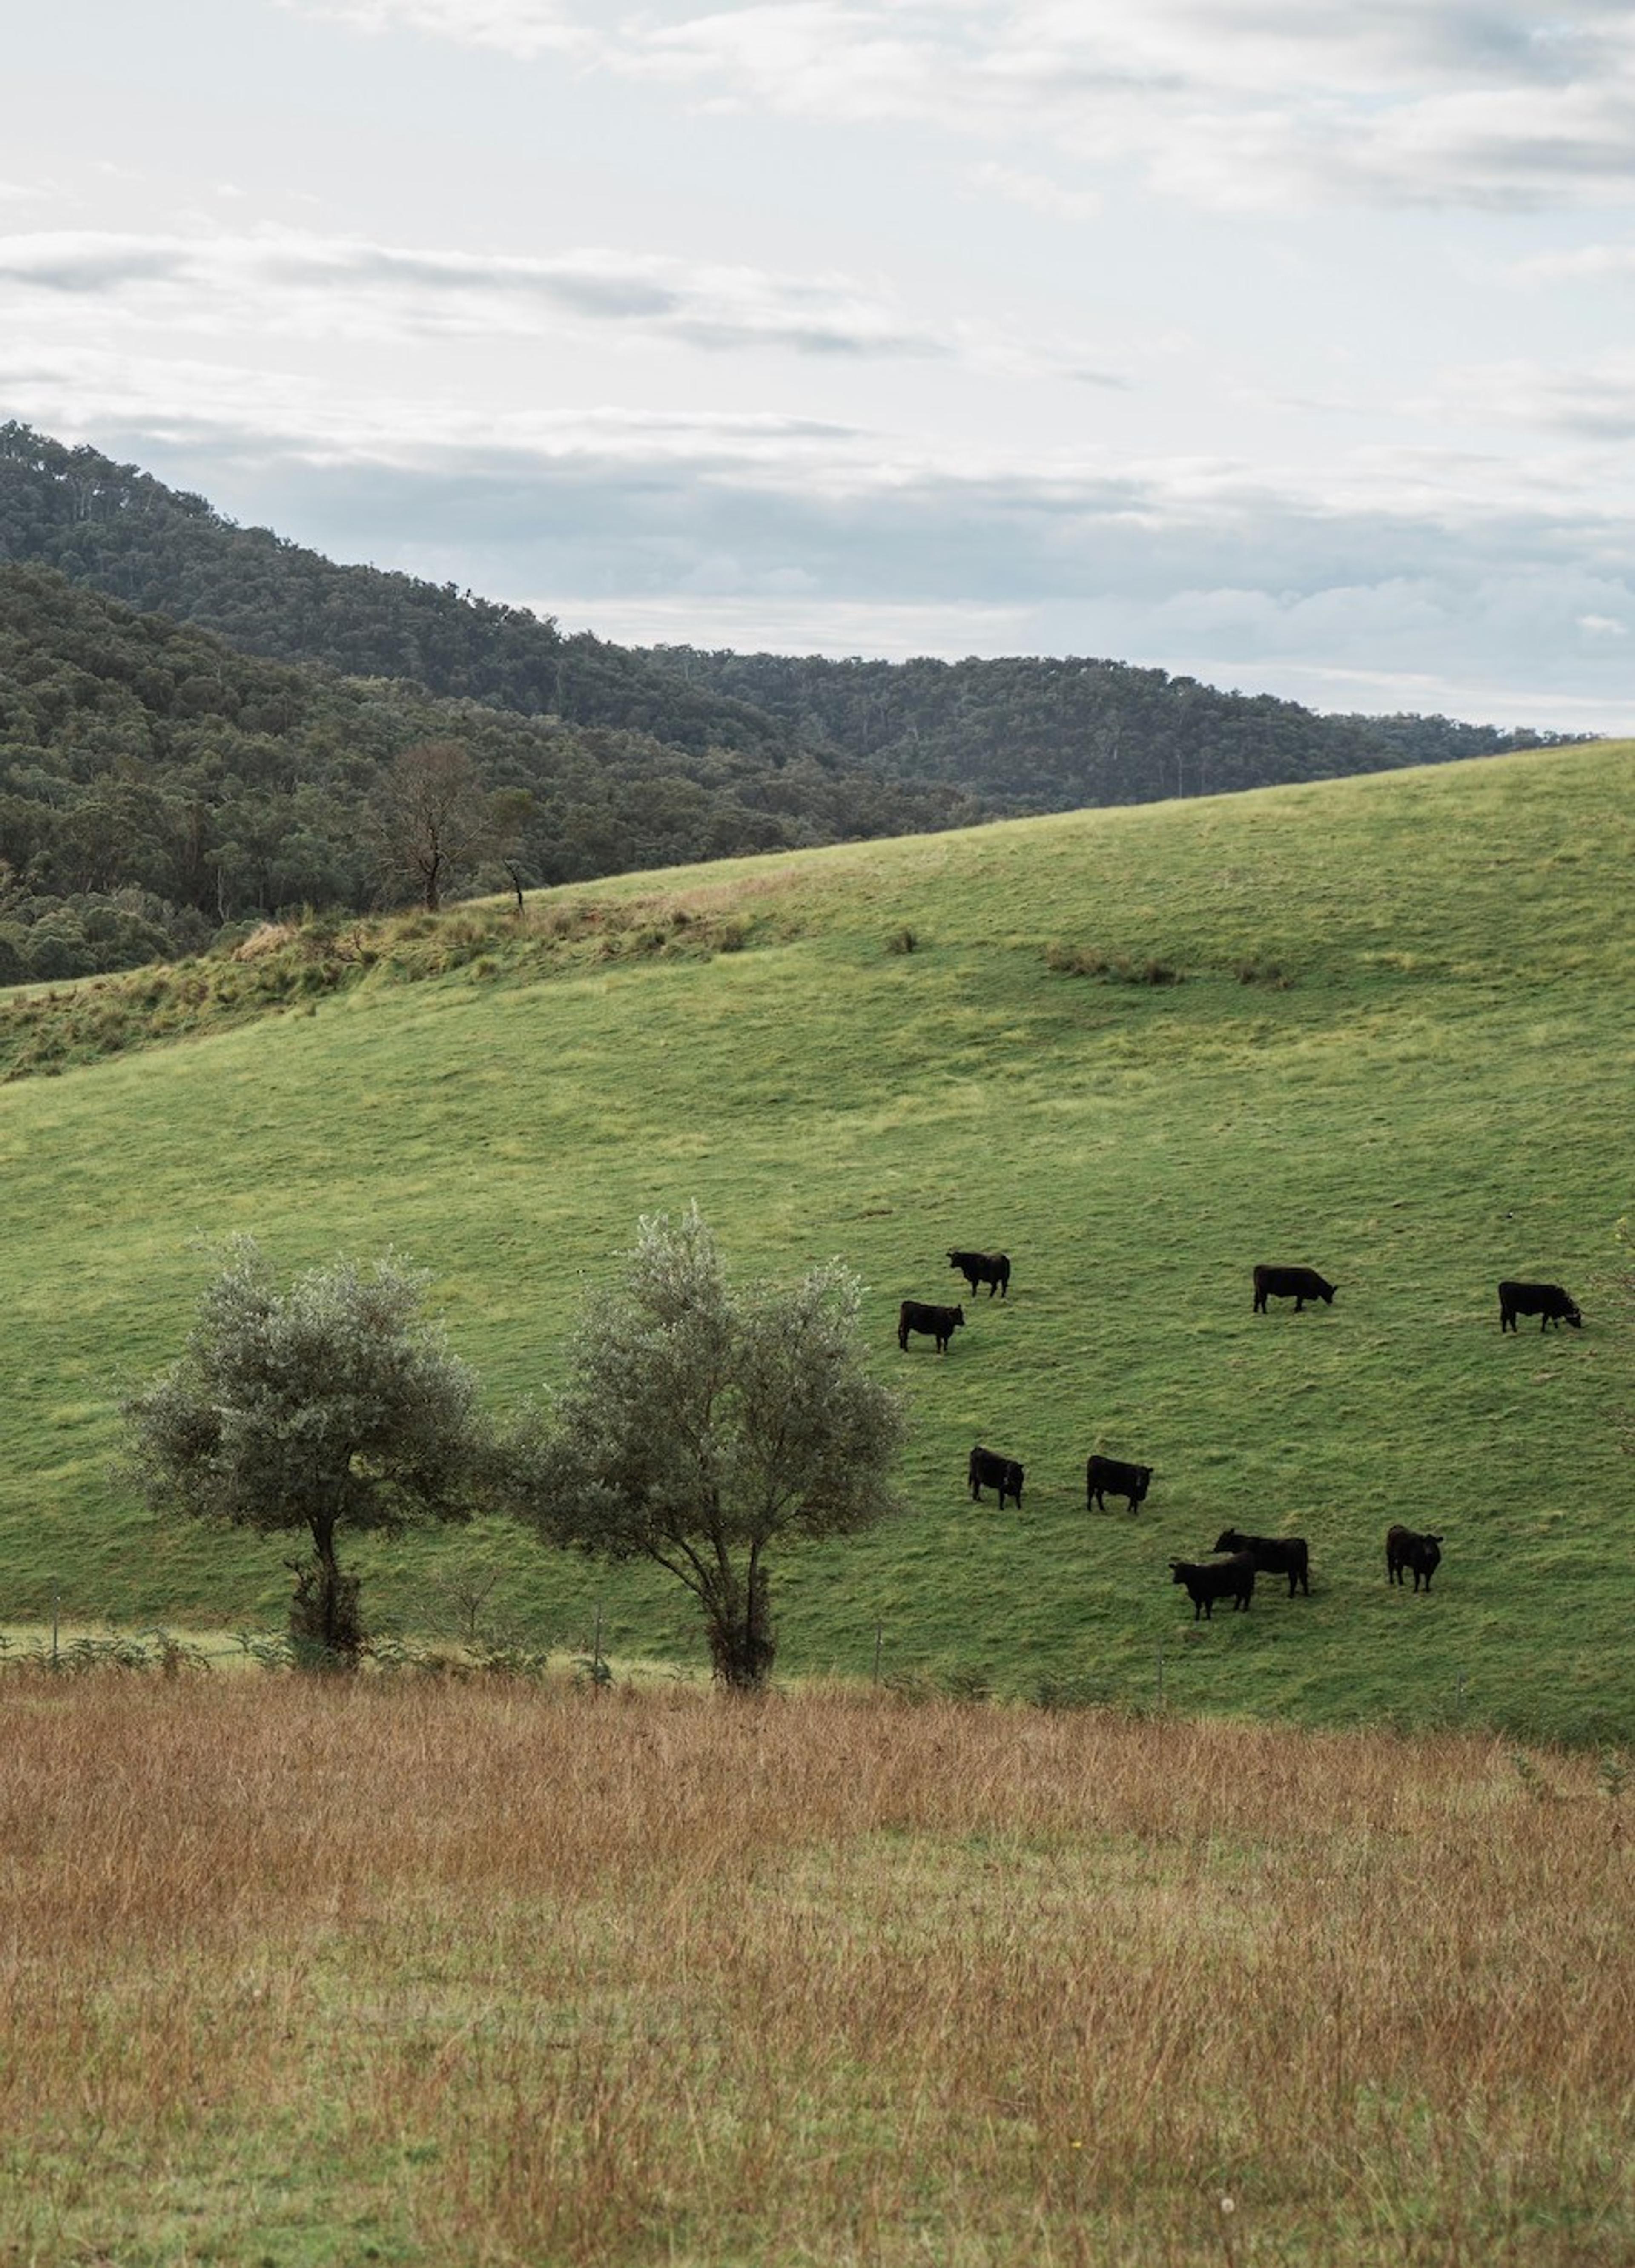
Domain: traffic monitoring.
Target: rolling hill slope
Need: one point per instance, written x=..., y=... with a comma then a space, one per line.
x=1399, y=1051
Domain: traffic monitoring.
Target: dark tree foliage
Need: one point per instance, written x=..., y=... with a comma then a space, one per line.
x=1042, y=734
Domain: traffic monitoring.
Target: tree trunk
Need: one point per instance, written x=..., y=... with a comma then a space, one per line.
x=325, y=1618
x=738, y=1620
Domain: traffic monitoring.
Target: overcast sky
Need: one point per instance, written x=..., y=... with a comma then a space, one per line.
x=1278, y=342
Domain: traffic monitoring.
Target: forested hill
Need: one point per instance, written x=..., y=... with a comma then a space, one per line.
x=161, y=550
x=1046, y=734
x=1019, y=734
x=158, y=788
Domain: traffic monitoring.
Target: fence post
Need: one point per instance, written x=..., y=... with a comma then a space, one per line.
x=879, y=1633
x=57, y=1598
x=596, y=1653
x=1160, y=1672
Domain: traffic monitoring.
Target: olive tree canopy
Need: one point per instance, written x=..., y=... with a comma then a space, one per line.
x=699, y=1425
x=332, y=1406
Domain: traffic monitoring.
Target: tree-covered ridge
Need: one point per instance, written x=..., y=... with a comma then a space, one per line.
x=1040, y=733
x=163, y=550
x=157, y=786
x=1019, y=733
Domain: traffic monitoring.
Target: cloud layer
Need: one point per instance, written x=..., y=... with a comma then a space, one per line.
x=1487, y=103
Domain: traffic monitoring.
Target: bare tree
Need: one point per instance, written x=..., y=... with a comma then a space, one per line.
x=432, y=818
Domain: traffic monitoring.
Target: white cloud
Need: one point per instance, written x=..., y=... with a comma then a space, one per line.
x=324, y=286
x=526, y=28
x=1494, y=103
x=1037, y=191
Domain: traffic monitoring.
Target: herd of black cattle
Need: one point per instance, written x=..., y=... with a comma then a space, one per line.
x=1406, y=1551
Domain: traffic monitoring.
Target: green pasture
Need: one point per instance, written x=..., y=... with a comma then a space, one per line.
x=1400, y=1052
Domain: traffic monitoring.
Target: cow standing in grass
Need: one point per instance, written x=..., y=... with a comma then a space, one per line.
x=1208, y=1580
x=939, y=1323
x=1273, y=1555
x=1297, y=1283
x=1131, y=1482
x=987, y=1469
x=1420, y=1554
x=992, y=1269
x=1547, y=1301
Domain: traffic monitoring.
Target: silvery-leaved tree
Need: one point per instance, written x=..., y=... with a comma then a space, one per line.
x=702, y=1424
x=333, y=1407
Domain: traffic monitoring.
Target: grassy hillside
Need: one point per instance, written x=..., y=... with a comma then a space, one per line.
x=1400, y=1052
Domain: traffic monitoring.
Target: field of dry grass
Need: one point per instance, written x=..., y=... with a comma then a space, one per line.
x=299, y=1973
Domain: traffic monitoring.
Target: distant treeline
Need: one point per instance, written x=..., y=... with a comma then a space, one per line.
x=1042, y=734
x=195, y=718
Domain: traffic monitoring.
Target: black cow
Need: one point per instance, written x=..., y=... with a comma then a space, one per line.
x=1273, y=1555
x=1547, y=1301
x=1129, y=1481
x=1002, y=1473
x=939, y=1323
x=1231, y=1578
x=1297, y=1283
x=1421, y=1553
x=992, y=1269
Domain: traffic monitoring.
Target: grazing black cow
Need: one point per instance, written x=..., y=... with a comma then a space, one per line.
x=1129, y=1481
x=1547, y=1301
x=939, y=1323
x=992, y=1269
x=1297, y=1283
x=1231, y=1578
x=1273, y=1555
x=1421, y=1553
x=1002, y=1473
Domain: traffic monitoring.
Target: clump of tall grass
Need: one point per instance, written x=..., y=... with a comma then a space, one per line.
x=1111, y=968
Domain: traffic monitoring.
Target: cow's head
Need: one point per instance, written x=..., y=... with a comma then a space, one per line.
x=959, y=1314
x=1328, y=1292
x=1144, y=1474
x=1570, y=1314
x=1228, y=1540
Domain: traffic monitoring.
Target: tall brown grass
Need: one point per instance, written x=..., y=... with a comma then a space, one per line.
x=299, y=1972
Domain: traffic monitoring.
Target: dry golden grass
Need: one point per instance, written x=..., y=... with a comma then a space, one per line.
x=292, y=1972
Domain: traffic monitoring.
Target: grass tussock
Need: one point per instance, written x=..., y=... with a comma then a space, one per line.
x=1111, y=968
x=505, y=1974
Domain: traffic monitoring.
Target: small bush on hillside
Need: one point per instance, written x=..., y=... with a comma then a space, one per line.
x=901, y=940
